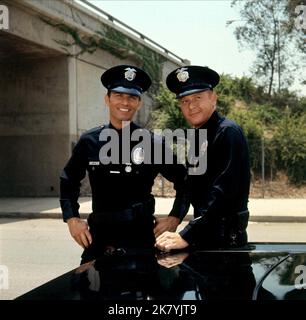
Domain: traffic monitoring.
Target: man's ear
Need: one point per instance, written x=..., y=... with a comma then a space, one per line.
x=214, y=96
x=106, y=100
x=140, y=104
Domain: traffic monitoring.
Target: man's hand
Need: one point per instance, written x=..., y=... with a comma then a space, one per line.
x=78, y=229
x=169, y=223
x=170, y=240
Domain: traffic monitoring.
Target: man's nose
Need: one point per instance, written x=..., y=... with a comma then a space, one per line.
x=125, y=101
x=192, y=104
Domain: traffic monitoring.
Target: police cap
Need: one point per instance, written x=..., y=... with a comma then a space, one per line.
x=126, y=79
x=191, y=79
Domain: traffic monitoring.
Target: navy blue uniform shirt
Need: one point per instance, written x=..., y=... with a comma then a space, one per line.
x=113, y=186
x=222, y=191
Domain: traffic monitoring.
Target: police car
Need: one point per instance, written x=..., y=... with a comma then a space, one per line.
x=259, y=271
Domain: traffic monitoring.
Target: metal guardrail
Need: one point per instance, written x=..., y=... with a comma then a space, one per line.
x=137, y=33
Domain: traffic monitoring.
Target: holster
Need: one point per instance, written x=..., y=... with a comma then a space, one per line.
x=234, y=227
x=221, y=229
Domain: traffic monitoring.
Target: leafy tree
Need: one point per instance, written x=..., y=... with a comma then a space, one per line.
x=253, y=131
x=288, y=99
x=266, y=28
x=291, y=142
x=168, y=113
x=266, y=114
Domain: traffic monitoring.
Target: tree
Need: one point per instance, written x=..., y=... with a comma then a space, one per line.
x=266, y=27
x=291, y=144
x=168, y=112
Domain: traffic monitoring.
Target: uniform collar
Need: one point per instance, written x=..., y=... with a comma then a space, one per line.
x=132, y=126
x=212, y=121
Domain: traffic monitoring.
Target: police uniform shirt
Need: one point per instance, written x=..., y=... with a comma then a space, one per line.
x=224, y=188
x=115, y=187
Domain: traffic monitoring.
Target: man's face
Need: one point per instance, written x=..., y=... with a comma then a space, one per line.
x=122, y=107
x=198, y=107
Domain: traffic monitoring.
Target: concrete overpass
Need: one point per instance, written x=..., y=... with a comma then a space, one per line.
x=50, y=90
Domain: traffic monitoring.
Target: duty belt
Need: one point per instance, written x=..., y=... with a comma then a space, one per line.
x=137, y=211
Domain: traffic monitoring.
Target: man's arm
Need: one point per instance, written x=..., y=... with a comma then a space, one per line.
x=176, y=173
x=70, y=182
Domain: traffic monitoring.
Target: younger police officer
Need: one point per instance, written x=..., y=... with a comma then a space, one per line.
x=122, y=204
x=220, y=195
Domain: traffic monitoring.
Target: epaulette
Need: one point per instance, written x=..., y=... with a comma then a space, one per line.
x=93, y=131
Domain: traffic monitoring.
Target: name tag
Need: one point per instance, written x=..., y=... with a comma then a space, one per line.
x=94, y=163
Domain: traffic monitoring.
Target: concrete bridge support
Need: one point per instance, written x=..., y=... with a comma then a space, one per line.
x=48, y=97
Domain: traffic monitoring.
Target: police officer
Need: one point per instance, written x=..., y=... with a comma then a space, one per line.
x=122, y=204
x=220, y=195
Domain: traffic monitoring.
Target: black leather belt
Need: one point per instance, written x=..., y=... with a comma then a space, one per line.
x=137, y=211
x=113, y=216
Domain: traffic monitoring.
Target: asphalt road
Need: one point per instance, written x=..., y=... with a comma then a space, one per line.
x=38, y=250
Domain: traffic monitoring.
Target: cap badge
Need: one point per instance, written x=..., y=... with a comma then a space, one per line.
x=129, y=74
x=182, y=74
x=138, y=155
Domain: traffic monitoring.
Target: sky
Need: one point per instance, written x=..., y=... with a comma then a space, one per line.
x=193, y=30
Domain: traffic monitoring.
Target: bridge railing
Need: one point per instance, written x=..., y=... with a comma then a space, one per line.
x=135, y=32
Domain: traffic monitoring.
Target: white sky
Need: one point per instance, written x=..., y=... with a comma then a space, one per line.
x=193, y=30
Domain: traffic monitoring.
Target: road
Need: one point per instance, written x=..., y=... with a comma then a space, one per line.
x=38, y=250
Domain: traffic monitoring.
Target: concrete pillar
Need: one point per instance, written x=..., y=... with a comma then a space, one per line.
x=33, y=125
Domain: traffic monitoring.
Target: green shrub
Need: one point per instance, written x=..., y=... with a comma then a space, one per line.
x=290, y=138
x=253, y=131
x=168, y=113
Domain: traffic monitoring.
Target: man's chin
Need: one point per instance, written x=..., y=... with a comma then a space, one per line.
x=195, y=124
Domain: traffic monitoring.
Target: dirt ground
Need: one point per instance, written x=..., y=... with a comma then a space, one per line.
x=278, y=188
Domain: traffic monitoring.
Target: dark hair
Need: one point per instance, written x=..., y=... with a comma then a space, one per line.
x=110, y=91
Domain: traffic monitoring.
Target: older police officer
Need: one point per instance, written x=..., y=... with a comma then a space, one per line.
x=122, y=204
x=220, y=195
